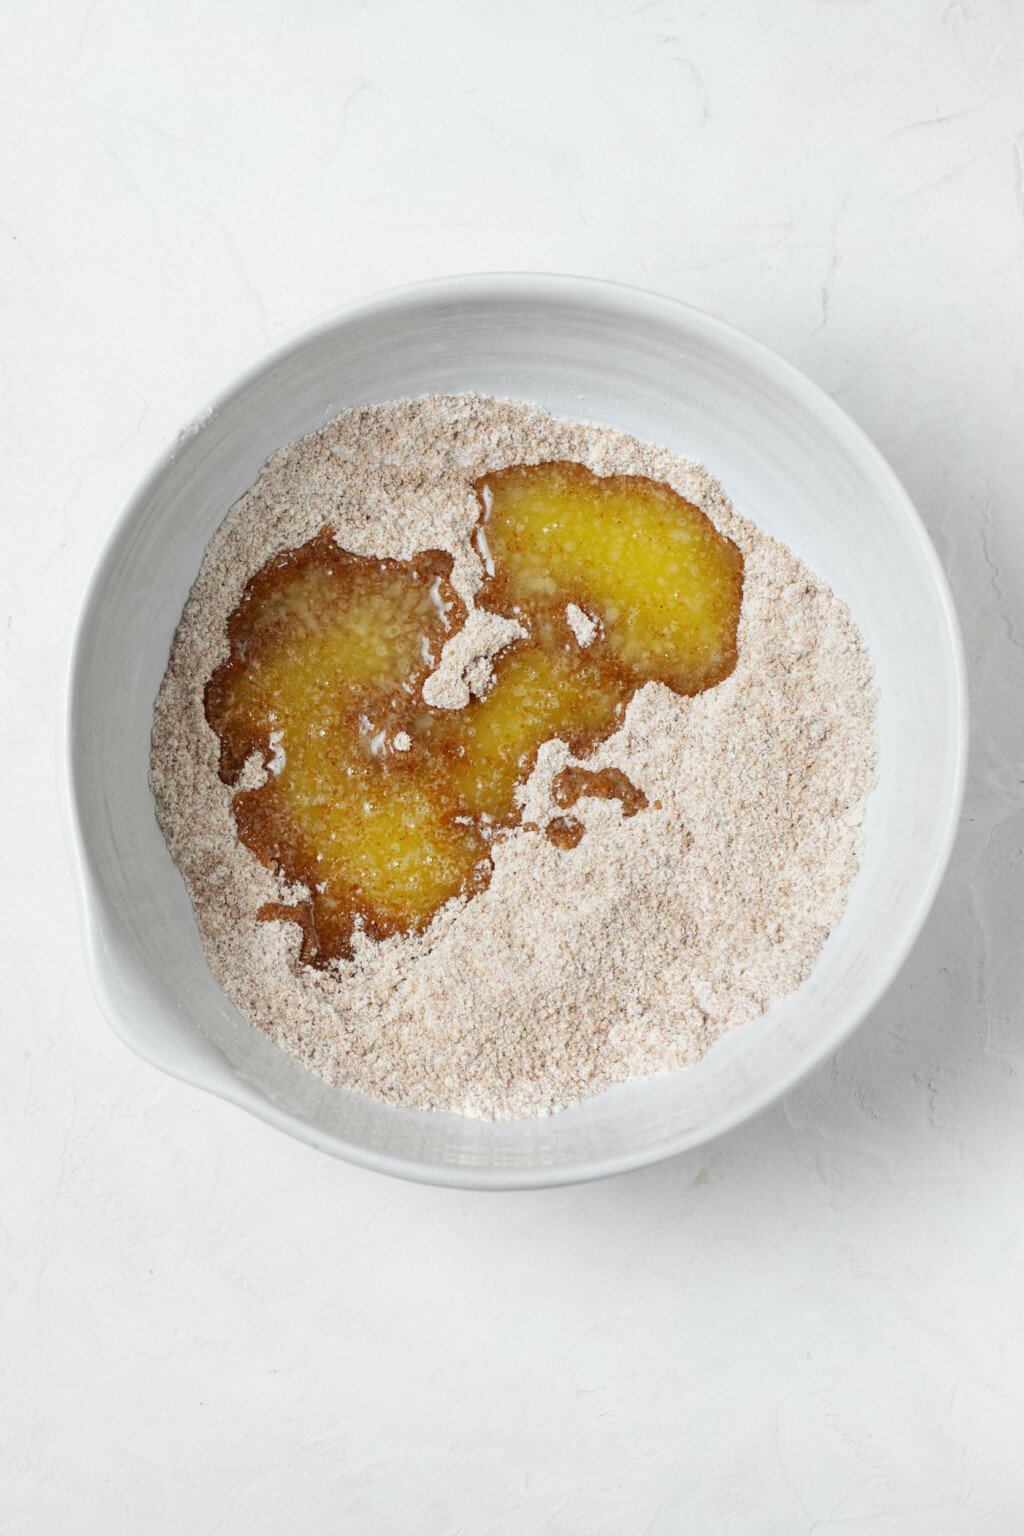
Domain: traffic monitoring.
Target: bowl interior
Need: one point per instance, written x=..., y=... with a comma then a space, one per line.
x=789, y=459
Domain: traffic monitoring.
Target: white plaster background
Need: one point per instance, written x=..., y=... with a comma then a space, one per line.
x=815, y=1325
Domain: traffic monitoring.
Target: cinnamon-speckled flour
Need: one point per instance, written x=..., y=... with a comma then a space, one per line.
x=575, y=969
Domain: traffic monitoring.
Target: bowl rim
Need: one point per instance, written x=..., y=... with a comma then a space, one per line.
x=453, y=289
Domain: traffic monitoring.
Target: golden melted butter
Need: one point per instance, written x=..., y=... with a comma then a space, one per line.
x=662, y=583
x=565, y=831
x=573, y=782
x=383, y=808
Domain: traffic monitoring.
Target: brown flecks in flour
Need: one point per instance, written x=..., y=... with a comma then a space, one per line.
x=629, y=955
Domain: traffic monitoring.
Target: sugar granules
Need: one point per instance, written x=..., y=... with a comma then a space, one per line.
x=624, y=957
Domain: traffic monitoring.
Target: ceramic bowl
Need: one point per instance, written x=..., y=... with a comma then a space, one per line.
x=788, y=457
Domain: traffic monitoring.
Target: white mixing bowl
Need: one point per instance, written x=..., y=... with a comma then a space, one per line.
x=788, y=457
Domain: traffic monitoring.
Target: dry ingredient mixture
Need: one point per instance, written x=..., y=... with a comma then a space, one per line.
x=691, y=869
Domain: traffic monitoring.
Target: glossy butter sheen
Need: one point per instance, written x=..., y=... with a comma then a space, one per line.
x=383, y=808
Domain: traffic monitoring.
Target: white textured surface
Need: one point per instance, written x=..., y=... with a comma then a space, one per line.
x=814, y=1326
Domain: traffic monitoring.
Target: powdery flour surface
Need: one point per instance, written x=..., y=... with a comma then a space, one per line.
x=624, y=957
